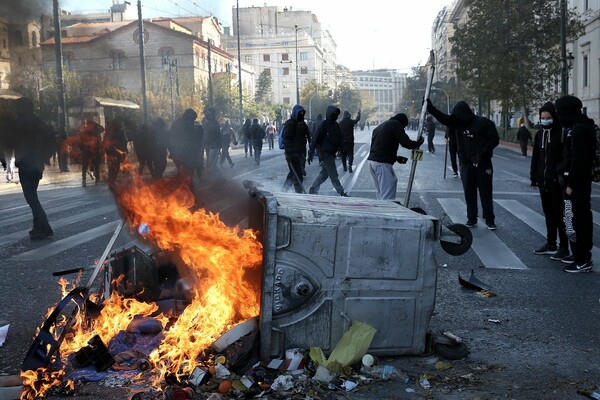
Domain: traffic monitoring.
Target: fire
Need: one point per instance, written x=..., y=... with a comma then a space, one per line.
x=219, y=259
x=223, y=263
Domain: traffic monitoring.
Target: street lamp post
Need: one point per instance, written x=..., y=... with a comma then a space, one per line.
x=310, y=105
x=297, y=82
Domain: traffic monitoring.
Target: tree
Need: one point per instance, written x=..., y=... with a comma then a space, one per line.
x=414, y=91
x=263, y=91
x=347, y=98
x=509, y=51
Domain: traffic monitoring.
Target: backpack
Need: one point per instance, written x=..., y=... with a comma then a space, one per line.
x=281, y=145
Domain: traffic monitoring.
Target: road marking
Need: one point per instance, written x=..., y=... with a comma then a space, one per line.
x=15, y=236
x=59, y=246
x=535, y=220
x=488, y=247
x=51, y=210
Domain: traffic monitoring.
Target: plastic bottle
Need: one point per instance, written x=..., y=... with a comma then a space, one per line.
x=386, y=373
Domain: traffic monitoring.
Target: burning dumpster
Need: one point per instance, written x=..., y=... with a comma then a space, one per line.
x=328, y=261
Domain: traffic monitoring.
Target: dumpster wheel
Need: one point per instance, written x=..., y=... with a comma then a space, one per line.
x=466, y=239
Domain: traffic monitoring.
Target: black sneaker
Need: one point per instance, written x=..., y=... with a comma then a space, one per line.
x=569, y=259
x=560, y=254
x=455, y=174
x=471, y=223
x=344, y=194
x=491, y=226
x=583, y=267
x=546, y=249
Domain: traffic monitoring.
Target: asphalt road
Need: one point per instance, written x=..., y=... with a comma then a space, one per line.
x=536, y=339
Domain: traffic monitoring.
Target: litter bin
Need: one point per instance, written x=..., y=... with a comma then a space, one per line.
x=328, y=261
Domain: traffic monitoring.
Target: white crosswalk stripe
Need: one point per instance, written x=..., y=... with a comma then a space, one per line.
x=488, y=247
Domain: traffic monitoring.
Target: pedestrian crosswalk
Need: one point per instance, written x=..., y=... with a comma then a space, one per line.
x=72, y=213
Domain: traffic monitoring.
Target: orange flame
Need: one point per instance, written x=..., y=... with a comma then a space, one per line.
x=220, y=260
x=37, y=383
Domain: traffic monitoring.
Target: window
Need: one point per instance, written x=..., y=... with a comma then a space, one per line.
x=267, y=71
x=286, y=100
x=585, y=71
x=248, y=59
x=165, y=52
x=117, y=59
x=266, y=57
x=285, y=57
x=68, y=61
x=304, y=70
x=286, y=71
x=303, y=56
x=18, y=38
x=34, y=40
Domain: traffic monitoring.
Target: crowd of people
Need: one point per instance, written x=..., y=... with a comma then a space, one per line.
x=564, y=153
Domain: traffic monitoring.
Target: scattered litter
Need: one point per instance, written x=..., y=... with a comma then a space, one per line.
x=282, y=383
x=410, y=390
x=144, y=229
x=590, y=394
x=485, y=293
x=323, y=374
x=349, y=385
x=495, y=321
x=424, y=382
x=3, y=333
x=443, y=365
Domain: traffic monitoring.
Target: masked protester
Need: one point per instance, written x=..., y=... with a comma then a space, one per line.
x=327, y=140
x=347, y=125
x=385, y=141
x=296, y=136
x=476, y=139
x=547, y=154
x=575, y=176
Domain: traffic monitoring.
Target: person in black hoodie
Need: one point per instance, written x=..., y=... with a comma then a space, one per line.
x=385, y=141
x=327, y=141
x=547, y=154
x=476, y=139
x=347, y=127
x=34, y=145
x=296, y=135
x=575, y=176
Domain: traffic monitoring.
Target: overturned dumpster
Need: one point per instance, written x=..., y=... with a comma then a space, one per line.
x=328, y=261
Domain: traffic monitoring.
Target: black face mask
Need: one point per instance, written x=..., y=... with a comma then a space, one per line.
x=300, y=117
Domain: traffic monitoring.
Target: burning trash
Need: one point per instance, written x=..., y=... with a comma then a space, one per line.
x=216, y=267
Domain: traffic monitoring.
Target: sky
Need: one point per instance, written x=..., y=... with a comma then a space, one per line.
x=393, y=34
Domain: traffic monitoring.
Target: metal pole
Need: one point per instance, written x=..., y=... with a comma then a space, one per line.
x=421, y=123
x=142, y=61
x=564, y=82
x=62, y=120
x=297, y=82
x=239, y=62
x=171, y=87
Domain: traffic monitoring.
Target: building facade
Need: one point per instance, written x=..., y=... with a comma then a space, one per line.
x=287, y=44
x=386, y=87
x=4, y=54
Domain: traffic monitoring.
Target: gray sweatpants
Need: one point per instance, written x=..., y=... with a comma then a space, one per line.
x=385, y=180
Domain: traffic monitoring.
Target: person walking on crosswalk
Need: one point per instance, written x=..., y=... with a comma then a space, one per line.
x=33, y=148
x=547, y=154
x=477, y=137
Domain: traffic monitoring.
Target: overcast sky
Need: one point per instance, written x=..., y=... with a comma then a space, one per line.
x=378, y=34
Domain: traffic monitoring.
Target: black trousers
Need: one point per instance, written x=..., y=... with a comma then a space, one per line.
x=29, y=185
x=524, y=148
x=295, y=161
x=478, y=179
x=582, y=223
x=553, y=206
x=452, y=148
x=348, y=156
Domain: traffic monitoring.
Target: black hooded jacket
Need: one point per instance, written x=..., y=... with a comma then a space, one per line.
x=476, y=136
x=386, y=139
x=295, y=132
x=328, y=137
x=579, y=153
x=547, y=153
x=347, y=127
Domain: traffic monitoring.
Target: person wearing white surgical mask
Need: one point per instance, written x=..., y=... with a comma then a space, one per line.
x=547, y=154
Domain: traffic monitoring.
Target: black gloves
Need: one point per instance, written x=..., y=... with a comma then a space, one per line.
x=475, y=160
x=420, y=141
x=401, y=160
x=429, y=105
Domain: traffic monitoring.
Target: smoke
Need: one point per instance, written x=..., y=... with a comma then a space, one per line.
x=22, y=10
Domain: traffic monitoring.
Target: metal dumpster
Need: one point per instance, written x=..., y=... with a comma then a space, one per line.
x=330, y=260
